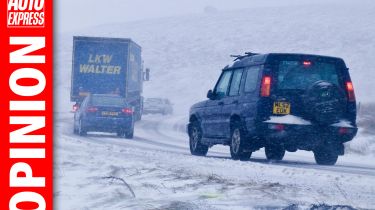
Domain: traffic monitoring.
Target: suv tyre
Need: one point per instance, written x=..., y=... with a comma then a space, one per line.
x=237, y=144
x=129, y=134
x=324, y=102
x=195, y=138
x=120, y=133
x=75, y=130
x=81, y=129
x=274, y=152
x=325, y=157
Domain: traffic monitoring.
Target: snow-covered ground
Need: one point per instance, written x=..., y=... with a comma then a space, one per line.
x=156, y=171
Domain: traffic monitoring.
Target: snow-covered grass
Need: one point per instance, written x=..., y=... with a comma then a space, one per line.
x=156, y=171
x=364, y=143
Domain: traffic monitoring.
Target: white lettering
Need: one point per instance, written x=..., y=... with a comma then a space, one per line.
x=38, y=5
x=27, y=153
x=27, y=73
x=27, y=180
x=27, y=105
x=12, y=5
x=34, y=44
x=27, y=197
x=34, y=123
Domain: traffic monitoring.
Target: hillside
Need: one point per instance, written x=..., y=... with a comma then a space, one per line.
x=186, y=53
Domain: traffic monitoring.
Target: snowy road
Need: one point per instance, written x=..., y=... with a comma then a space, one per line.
x=158, y=168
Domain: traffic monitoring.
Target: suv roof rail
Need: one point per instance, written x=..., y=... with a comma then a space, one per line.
x=247, y=54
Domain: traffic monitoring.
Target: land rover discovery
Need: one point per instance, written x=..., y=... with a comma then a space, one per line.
x=282, y=102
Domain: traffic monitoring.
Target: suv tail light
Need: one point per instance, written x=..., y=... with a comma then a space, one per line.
x=127, y=111
x=75, y=107
x=306, y=63
x=91, y=109
x=265, y=90
x=343, y=130
x=350, y=91
x=277, y=127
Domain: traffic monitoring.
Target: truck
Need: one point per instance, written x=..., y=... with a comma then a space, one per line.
x=108, y=66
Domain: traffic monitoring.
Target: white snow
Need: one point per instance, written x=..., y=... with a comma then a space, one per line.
x=343, y=123
x=186, y=54
x=101, y=171
x=288, y=119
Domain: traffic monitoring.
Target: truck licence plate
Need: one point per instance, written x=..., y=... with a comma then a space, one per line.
x=281, y=108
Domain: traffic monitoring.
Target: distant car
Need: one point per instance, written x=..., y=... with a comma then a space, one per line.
x=104, y=113
x=283, y=102
x=157, y=105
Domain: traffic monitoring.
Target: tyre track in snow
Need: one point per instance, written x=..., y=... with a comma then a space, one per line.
x=162, y=146
x=147, y=137
x=163, y=134
x=171, y=128
x=166, y=130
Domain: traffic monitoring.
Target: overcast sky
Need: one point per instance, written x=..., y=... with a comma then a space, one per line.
x=76, y=14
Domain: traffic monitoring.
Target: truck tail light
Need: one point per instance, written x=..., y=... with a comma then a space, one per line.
x=127, y=111
x=265, y=90
x=350, y=91
x=91, y=109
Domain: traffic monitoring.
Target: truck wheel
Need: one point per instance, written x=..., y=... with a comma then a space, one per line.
x=274, y=152
x=325, y=157
x=237, y=144
x=81, y=129
x=195, y=137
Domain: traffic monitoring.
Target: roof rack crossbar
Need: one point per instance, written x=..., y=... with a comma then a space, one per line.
x=247, y=54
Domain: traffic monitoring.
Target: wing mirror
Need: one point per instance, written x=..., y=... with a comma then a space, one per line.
x=210, y=95
x=146, y=75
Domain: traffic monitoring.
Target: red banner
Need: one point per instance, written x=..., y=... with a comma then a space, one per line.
x=26, y=146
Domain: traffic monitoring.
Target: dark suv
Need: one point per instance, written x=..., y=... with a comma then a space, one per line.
x=283, y=102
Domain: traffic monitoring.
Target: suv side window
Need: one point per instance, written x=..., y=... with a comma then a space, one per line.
x=222, y=85
x=236, y=82
x=252, y=78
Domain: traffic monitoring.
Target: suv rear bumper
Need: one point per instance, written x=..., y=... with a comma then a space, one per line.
x=105, y=124
x=305, y=137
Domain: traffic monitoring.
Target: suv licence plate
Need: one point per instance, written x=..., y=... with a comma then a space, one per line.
x=106, y=113
x=281, y=108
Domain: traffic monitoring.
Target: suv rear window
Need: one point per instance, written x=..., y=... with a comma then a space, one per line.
x=154, y=101
x=299, y=75
x=107, y=101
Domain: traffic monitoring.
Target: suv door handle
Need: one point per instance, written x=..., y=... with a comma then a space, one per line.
x=220, y=103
